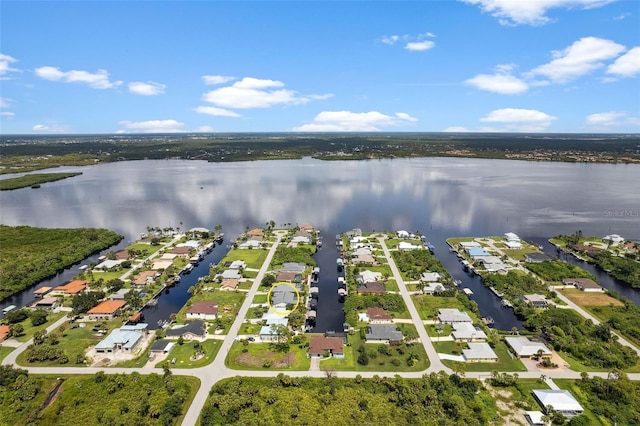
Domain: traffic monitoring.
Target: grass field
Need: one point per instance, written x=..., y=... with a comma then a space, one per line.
x=257, y=353
x=4, y=351
x=227, y=300
x=183, y=353
x=30, y=330
x=428, y=306
x=578, y=366
x=582, y=298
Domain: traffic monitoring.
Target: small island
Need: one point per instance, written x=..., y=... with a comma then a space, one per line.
x=34, y=180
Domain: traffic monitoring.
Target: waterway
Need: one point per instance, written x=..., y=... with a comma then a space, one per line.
x=441, y=197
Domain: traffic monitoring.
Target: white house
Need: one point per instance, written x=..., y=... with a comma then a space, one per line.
x=452, y=315
x=431, y=288
x=402, y=234
x=512, y=240
x=368, y=276
x=479, y=352
x=525, y=348
x=203, y=310
x=560, y=400
x=428, y=277
x=467, y=332
x=614, y=238
x=408, y=246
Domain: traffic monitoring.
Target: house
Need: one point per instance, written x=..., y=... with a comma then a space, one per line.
x=428, y=277
x=368, y=276
x=536, y=300
x=381, y=333
x=403, y=245
x=229, y=284
x=192, y=244
x=144, y=278
x=468, y=244
x=584, y=284
x=301, y=237
x=283, y=295
x=135, y=318
x=119, y=295
x=307, y=228
x=250, y=244
x=70, y=288
x=204, y=310
x=106, y=310
x=256, y=232
x=535, y=418
x=360, y=251
x=42, y=291
x=268, y=333
x=161, y=346
x=237, y=264
x=525, y=348
x=402, y=234
x=477, y=252
x=230, y=274
x=431, y=288
x=583, y=248
x=614, y=239
x=124, y=339
x=160, y=265
x=109, y=264
x=355, y=232
x=479, y=352
x=181, y=251
x=510, y=236
x=378, y=316
x=560, y=400
x=47, y=303
x=364, y=258
x=123, y=255
x=467, y=332
x=191, y=330
x=372, y=288
x=293, y=267
x=290, y=277
x=4, y=332
x=452, y=315
x=318, y=345
x=536, y=257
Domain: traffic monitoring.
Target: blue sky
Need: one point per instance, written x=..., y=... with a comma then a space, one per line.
x=432, y=66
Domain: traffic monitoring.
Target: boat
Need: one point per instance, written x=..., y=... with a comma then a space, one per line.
x=465, y=265
x=506, y=304
x=83, y=267
x=339, y=261
x=152, y=302
x=488, y=321
x=187, y=269
x=220, y=237
x=8, y=309
x=431, y=248
x=540, y=247
x=467, y=291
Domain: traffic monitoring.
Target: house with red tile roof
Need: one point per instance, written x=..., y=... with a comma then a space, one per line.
x=70, y=288
x=318, y=345
x=106, y=310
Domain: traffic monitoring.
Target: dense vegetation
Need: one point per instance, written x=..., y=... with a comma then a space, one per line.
x=414, y=262
x=28, y=255
x=557, y=270
x=616, y=398
x=593, y=345
x=39, y=152
x=514, y=283
x=623, y=268
x=101, y=399
x=436, y=399
x=622, y=318
x=292, y=254
x=33, y=180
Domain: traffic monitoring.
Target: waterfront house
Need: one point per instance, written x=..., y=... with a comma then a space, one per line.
x=536, y=300
x=318, y=345
x=479, y=352
x=106, y=310
x=191, y=330
x=585, y=249
x=109, y=264
x=614, y=239
x=477, y=252
x=69, y=289
x=230, y=274
x=364, y=259
x=536, y=257
x=119, y=295
x=432, y=288
x=124, y=339
x=42, y=291
x=229, y=284
x=467, y=332
x=371, y=288
x=144, y=278
x=403, y=245
x=237, y=264
x=123, y=255
x=378, y=316
x=250, y=244
x=161, y=265
x=204, y=310
x=368, y=276
x=382, y=333
x=181, y=251
x=47, y=303
x=290, y=277
x=452, y=315
x=256, y=232
x=428, y=277
x=525, y=348
x=584, y=284
x=561, y=401
x=293, y=267
x=402, y=234
x=512, y=240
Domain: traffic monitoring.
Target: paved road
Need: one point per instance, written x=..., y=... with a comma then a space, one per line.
x=216, y=371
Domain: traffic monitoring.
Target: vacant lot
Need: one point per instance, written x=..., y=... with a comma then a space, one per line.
x=582, y=298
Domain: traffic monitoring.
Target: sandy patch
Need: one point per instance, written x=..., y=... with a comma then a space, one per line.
x=277, y=360
x=592, y=299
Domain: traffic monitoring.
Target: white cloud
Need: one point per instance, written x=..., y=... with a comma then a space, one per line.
x=503, y=82
x=621, y=16
x=49, y=128
x=456, y=129
x=7, y=114
x=206, y=129
x=531, y=12
x=216, y=79
x=612, y=119
x=149, y=88
x=219, y=112
x=256, y=93
x=347, y=121
x=419, y=45
x=5, y=102
x=392, y=39
x=627, y=65
x=98, y=80
x=154, y=126
x=582, y=57
x=519, y=120
x=5, y=64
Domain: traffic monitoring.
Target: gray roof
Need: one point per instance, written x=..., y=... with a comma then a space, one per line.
x=525, y=347
x=536, y=257
x=194, y=327
x=383, y=332
x=451, y=315
x=293, y=267
x=127, y=338
x=560, y=400
x=479, y=351
x=283, y=294
x=161, y=345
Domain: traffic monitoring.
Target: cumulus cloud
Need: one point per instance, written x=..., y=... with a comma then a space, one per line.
x=392, y=39
x=582, y=57
x=530, y=12
x=216, y=79
x=5, y=102
x=420, y=45
x=627, y=65
x=502, y=82
x=154, y=126
x=48, y=128
x=519, y=120
x=219, y=112
x=205, y=129
x=150, y=88
x=612, y=119
x=97, y=80
x=256, y=93
x=347, y=121
x=5, y=64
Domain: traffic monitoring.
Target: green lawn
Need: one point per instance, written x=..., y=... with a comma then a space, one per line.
x=391, y=285
x=505, y=361
x=30, y=330
x=381, y=362
x=432, y=331
x=250, y=274
x=258, y=353
x=4, y=351
x=518, y=254
x=183, y=353
x=428, y=306
x=231, y=300
x=260, y=298
x=105, y=275
x=249, y=328
x=392, y=243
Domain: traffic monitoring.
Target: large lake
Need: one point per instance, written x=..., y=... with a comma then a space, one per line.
x=441, y=197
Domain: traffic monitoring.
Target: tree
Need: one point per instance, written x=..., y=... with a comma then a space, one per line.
x=38, y=317
x=16, y=330
x=459, y=368
x=133, y=299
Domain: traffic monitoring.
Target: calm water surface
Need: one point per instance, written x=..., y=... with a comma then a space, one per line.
x=441, y=197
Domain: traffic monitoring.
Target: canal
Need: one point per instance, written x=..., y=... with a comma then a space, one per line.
x=330, y=315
